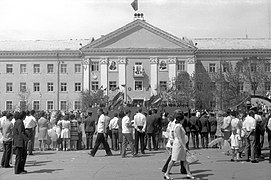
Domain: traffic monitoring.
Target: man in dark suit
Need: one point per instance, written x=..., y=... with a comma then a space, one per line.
x=157, y=128
x=194, y=129
x=204, y=130
x=150, y=131
x=89, y=130
x=213, y=125
x=20, y=140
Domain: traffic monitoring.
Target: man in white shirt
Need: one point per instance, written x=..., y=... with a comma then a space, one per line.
x=140, y=127
x=249, y=126
x=114, y=127
x=101, y=135
x=30, y=124
x=127, y=135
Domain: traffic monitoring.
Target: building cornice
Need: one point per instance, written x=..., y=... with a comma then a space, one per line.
x=48, y=54
x=232, y=52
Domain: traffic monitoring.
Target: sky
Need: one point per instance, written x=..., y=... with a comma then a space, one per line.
x=84, y=19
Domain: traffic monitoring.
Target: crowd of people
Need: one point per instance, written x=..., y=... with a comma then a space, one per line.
x=149, y=130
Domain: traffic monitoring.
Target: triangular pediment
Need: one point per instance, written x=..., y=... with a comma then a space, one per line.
x=139, y=34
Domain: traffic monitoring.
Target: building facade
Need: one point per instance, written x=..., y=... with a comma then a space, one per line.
x=138, y=59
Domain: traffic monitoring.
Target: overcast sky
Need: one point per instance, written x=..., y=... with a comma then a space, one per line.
x=83, y=19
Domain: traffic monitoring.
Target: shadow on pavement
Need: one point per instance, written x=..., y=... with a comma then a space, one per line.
x=41, y=153
x=36, y=163
x=199, y=171
x=45, y=171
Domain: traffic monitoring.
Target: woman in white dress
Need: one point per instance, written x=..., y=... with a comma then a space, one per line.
x=179, y=149
x=65, y=133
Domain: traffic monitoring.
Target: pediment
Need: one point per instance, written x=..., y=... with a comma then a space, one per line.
x=136, y=35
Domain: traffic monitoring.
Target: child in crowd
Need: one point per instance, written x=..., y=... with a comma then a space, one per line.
x=53, y=136
x=234, y=140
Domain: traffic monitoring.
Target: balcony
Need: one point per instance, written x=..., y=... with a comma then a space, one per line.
x=138, y=71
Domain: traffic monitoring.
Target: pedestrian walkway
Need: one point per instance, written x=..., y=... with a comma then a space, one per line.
x=212, y=165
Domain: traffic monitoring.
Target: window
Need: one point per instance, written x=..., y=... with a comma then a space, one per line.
x=22, y=86
x=225, y=67
x=22, y=68
x=50, y=105
x=77, y=68
x=213, y=86
x=9, y=105
x=181, y=66
x=267, y=86
x=50, y=87
x=9, y=87
x=63, y=68
x=212, y=68
x=50, y=68
x=63, y=87
x=138, y=85
x=36, y=68
x=253, y=67
x=63, y=105
x=36, y=87
x=94, y=85
x=163, y=85
x=77, y=105
x=112, y=85
x=267, y=67
x=240, y=86
x=94, y=66
x=9, y=68
x=77, y=87
x=36, y=105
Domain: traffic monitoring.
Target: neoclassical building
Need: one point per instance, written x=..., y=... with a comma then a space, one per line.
x=138, y=59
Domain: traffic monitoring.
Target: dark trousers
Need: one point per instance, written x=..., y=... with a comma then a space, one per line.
x=250, y=145
x=79, y=142
x=139, y=136
x=109, y=133
x=7, y=146
x=195, y=139
x=269, y=141
x=21, y=154
x=158, y=139
x=127, y=138
x=89, y=139
x=150, y=137
x=101, y=140
x=204, y=139
x=33, y=139
x=188, y=136
x=29, y=134
x=182, y=168
x=257, y=144
x=115, y=138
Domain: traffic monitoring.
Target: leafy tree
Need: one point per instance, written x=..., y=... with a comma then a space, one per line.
x=92, y=98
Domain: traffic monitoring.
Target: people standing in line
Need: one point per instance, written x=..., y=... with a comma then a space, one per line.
x=204, y=133
x=101, y=135
x=179, y=150
x=65, y=132
x=114, y=128
x=140, y=128
x=249, y=126
x=127, y=135
x=74, y=132
x=89, y=130
x=20, y=139
x=150, y=131
x=187, y=127
x=42, y=131
x=121, y=115
x=195, y=129
x=6, y=130
x=157, y=128
x=30, y=124
x=213, y=126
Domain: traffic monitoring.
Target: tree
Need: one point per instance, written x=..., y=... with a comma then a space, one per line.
x=92, y=98
x=24, y=99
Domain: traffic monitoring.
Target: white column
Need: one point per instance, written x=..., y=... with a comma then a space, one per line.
x=104, y=73
x=154, y=75
x=172, y=70
x=191, y=65
x=86, y=73
x=122, y=61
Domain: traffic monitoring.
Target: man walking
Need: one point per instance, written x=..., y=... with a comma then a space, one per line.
x=140, y=126
x=101, y=135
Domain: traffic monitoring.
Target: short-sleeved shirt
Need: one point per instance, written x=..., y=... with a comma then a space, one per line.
x=100, y=125
x=249, y=123
x=125, y=125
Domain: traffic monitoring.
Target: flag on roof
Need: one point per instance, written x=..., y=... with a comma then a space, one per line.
x=134, y=4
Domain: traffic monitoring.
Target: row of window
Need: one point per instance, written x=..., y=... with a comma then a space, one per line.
x=225, y=67
x=240, y=86
x=138, y=85
x=50, y=87
x=64, y=105
x=37, y=68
